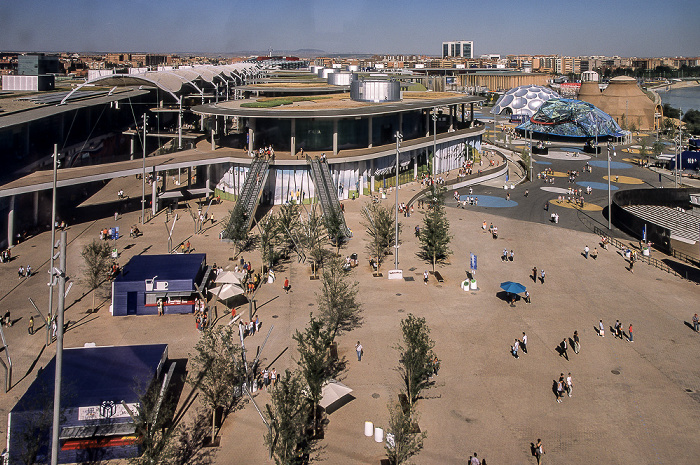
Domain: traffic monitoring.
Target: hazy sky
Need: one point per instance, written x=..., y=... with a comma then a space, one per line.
x=593, y=27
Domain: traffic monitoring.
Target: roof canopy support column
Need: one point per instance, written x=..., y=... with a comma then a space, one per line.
x=401, y=123
x=154, y=193
x=335, y=137
x=293, y=137
x=35, y=198
x=132, y=147
x=452, y=110
x=371, y=179
x=369, y=132
x=427, y=123
x=251, y=135
x=471, y=112
x=179, y=126
x=11, y=223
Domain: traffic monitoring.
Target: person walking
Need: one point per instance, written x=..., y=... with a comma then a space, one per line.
x=696, y=323
x=585, y=252
x=560, y=388
x=524, y=344
x=569, y=385
x=31, y=325
x=358, y=349
x=618, y=329
x=542, y=276
x=474, y=460
x=286, y=286
x=564, y=346
x=504, y=258
x=512, y=256
x=534, y=273
x=630, y=338
x=20, y=272
x=601, y=329
x=29, y=270
x=516, y=346
x=577, y=344
x=539, y=451
x=425, y=277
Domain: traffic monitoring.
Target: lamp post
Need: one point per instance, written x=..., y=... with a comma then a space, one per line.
x=53, y=243
x=610, y=147
x=398, y=137
x=143, y=175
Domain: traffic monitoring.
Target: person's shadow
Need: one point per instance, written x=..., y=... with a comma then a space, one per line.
x=554, y=388
x=689, y=325
x=533, y=449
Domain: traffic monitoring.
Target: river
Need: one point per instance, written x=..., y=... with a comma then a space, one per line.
x=685, y=98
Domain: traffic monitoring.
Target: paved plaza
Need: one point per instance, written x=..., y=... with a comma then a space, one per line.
x=632, y=402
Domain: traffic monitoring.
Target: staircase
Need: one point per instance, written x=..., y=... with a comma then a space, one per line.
x=326, y=192
x=252, y=188
x=683, y=226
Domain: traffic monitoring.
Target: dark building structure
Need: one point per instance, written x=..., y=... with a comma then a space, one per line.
x=96, y=426
x=35, y=64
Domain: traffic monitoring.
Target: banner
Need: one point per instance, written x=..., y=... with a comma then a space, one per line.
x=472, y=261
x=644, y=233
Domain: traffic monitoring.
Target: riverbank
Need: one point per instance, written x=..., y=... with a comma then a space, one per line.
x=677, y=85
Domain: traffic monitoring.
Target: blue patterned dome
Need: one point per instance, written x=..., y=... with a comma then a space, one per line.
x=523, y=100
x=571, y=118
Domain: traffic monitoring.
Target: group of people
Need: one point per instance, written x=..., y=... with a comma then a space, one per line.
x=405, y=210
x=587, y=252
x=249, y=328
x=564, y=385
x=108, y=233
x=492, y=229
x=508, y=257
x=618, y=331
x=547, y=176
x=24, y=273
x=5, y=256
x=264, y=152
x=534, y=275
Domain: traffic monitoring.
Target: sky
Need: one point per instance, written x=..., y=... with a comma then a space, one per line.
x=595, y=27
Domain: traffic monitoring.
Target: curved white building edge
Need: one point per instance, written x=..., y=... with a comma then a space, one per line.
x=293, y=182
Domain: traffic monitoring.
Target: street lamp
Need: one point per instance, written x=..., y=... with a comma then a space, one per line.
x=143, y=175
x=399, y=138
x=610, y=148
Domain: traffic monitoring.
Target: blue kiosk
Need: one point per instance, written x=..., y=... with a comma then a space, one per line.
x=176, y=280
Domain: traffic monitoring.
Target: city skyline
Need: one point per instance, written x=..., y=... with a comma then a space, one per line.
x=409, y=27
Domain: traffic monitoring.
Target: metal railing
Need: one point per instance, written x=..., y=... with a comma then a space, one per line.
x=655, y=262
x=326, y=191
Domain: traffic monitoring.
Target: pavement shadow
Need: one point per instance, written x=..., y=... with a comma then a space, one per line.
x=689, y=272
x=31, y=367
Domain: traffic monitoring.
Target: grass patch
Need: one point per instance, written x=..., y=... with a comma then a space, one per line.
x=276, y=102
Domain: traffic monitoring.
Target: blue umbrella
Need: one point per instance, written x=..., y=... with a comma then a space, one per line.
x=513, y=288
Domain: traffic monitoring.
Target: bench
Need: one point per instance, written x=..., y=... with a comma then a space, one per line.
x=439, y=277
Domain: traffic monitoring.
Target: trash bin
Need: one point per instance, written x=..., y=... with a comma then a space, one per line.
x=369, y=428
x=378, y=435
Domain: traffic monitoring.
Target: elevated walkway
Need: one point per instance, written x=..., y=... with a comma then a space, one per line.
x=326, y=192
x=252, y=188
x=684, y=227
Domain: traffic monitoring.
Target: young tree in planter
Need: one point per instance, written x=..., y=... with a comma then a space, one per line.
x=287, y=416
x=97, y=265
x=217, y=369
x=288, y=224
x=236, y=228
x=314, y=360
x=417, y=362
x=337, y=303
x=435, y=233
x=334, y=226
x=405, y=442
x=643, y=150
x=380, y=222
x=152, y=418
x=269, y=238
x=314, y=237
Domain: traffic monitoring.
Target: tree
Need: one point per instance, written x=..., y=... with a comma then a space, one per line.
x=314, y=236
x=691, y=118
x=152, y=418
x=403, y=441
x=643, y=150
x=314, y=359
x=287, y=416
x=236, y=228
x=269, y=238
x=381, y=229
x=288, y=224
x=97, y=265
x=333, y=221
x=217, y=370
x=417, y=363
x=337, y=303
x=435, y=234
